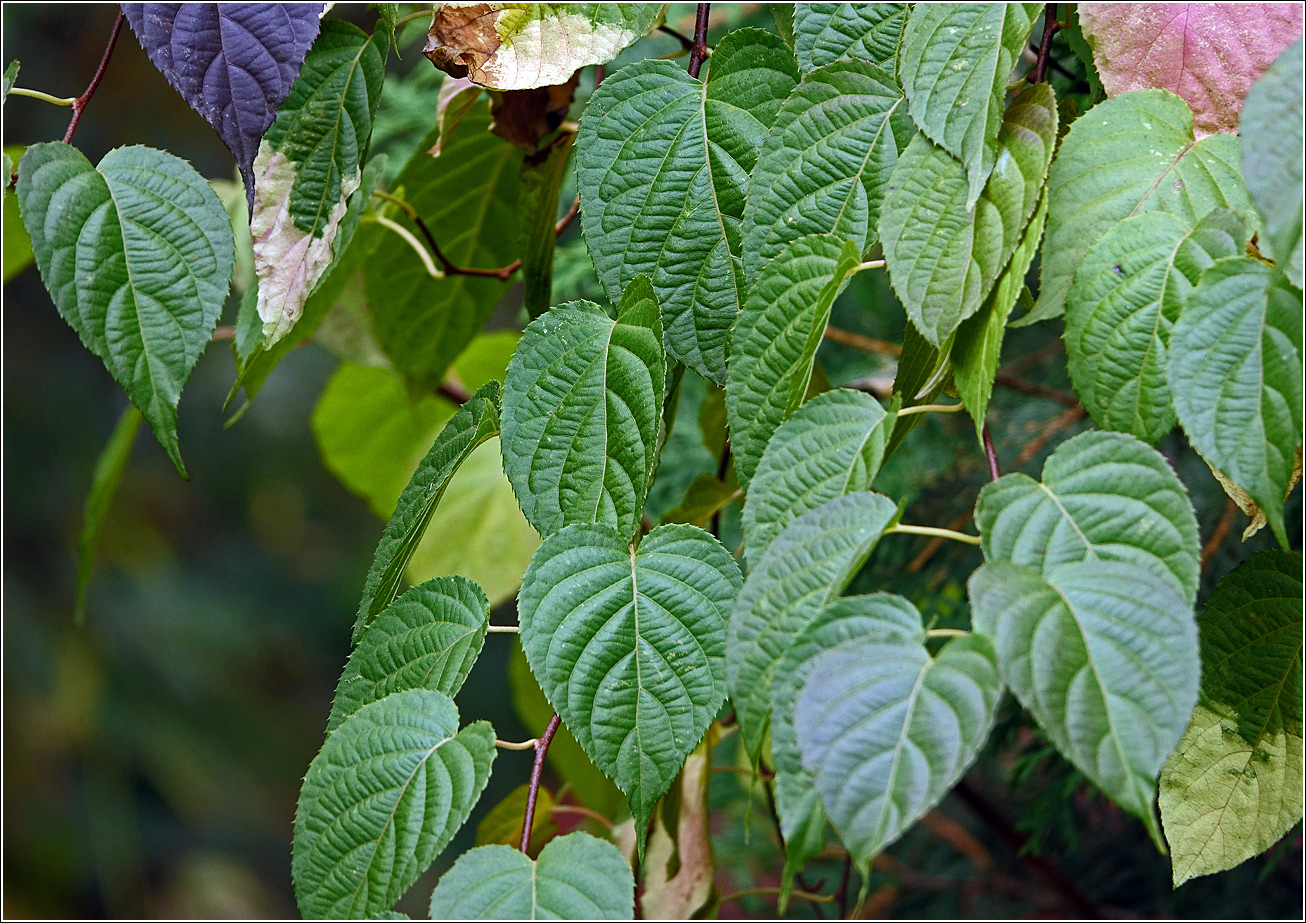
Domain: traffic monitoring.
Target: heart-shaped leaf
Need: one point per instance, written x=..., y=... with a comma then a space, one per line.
x=829, y=32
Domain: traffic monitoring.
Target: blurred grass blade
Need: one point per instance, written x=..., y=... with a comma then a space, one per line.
x=104, y=484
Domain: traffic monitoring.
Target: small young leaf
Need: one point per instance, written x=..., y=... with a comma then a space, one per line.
x=10, y=77
x=537, y=201
x=581, y=407
x=629, y=646
x=104, y=484
x=384, y=796
x=576, y=877
x=1233, y=785
x=1104, y=655
x=1236, y=374
x=829, y=32
x=137, y=254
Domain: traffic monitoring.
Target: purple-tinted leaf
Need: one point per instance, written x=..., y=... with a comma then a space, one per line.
x=1208, y=53
x=232, y=62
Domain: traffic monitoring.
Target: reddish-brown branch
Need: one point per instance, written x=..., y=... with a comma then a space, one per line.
x=1050, y=27
x=80, y=102
x=454, y=392
x=685, y=41
x=541, y=748
x=698, y=51
x=858, y=341
x=991, y=454
x=503, y=273
x=1050, y=428
x=1220, y=534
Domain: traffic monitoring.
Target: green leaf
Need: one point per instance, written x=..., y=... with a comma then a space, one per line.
x=1127, y=295
x=831, y=446
x=1236, y=374
x=828, y=32
x=705, y=497
x=136, y=254
x=629, y=646
x=825, y=166
x=308, y=165
x=581, y=408
x=468, y=198
x=1271, y=133
x=104, y=485
x=537, y=199
x=503, y=824
x=576, y=877
x=943, y=256
x=386, y=794
x=476, y=422
x=782, y=17
x=1104, y=655
x=387, y=16
x=1134, y=154
x=1103, y=496
x=10, y=78
x=17, y=245
x=776, y=337
x=803, y=569
x=886, y=730
x=662, y=167
x=426, y=639
x=955, y=64
x=1233, y=785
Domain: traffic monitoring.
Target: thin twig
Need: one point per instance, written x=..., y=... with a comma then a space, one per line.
x=904, y=529
x=456, y=393
x=714, y=524
x=1050, y=27
x=698, y=51
x=583, y=812
x=991, y=454
x=1050, y=428
x=225, y=332
x=80, y=102
x=842, y=892
x=541, y=748
x=686, y=42
x=1220, y=534
x=1034, y=389
x=858, y=341
x=933, y=545
x=930, y=408
x=64, y=101
x=762, y=892
x=515, y=745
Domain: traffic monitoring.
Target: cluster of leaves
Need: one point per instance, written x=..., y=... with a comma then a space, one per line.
x=723, y=217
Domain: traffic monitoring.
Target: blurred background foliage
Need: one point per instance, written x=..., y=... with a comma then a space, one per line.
x=152, y=757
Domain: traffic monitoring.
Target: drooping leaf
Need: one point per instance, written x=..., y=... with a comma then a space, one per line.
x=1207, y=53
x=1103, y=496
x=775, y=339
x=474, y=423
x=308, y=165
x=886, y=730
x=455, y=99
x=831, y=446
x=526, y=117
x=384, y=796
x=825, y=165
x=1236, y=374
x=1271, y=135
x=1233, y=785
x=629, y=646
x=576, y=877
x=17, y=244
x=955, y=63
x=828, y=32
x=662, y=167
x=582, y=404
x=803, y=569
x=516, y=46
x=1104, y=655
x=387, y=18
x=537, y=200
x=1135, y=154
x=943, y=256
x=137, y=254
x=426, y=639
x=104, y=485
x=504, y=822
x=1127, y=295
x=679, y=868
x=233, y=63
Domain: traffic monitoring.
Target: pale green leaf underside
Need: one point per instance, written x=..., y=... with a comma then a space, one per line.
x=426, y=639
x=662, y=166
x=387, y=792
x=576, y=877
x=828, y=32
x=581, y=406
x=1127, y=294
x=1135, y=154
x=136, y=254
x=1104, y=655
x=629, y=646
x=1103, y=495
x=775, y=340
x=805, y=568
x=831, y=446
x=1236, y=374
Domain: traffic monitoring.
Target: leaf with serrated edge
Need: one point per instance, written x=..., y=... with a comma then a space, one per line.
x=825, y=165
x=576, y=877
x=1127, y=295
x=474, y=423
x=955, y=63
x=828, y=32
x=775, y=339
x=944, y=258
x=832, y=445
x=1103, y=495
x=629, y=646
x=804, y=568
x=581, y=407
x=426, y=639
x=136, y=254
x=1134, y=154
x=1236, y=374
x=384, y=796
x=662, y=166
x=1233, y=785
x=1104, y=655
